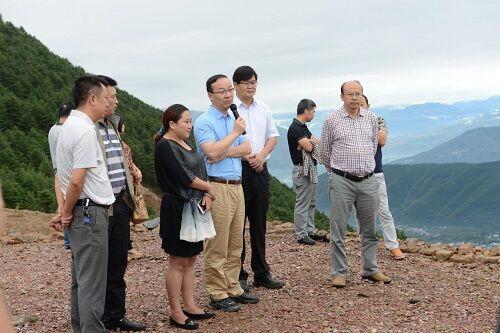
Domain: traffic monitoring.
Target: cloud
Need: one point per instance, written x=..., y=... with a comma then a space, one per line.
x=162, y=52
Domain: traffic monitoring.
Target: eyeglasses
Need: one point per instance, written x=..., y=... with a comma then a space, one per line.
x=352, y=95
x=249, y=83
x=225, y=91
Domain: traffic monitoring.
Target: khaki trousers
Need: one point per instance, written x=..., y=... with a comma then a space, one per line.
x=222, y=258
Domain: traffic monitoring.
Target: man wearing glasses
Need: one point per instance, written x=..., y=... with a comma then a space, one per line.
x=263, y=136
x=219, y=139
x=349, y=139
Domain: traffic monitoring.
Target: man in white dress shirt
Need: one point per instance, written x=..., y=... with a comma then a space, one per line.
x=263, y=136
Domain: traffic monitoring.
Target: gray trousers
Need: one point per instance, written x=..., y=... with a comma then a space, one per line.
x=344, y=194
x=305, y=203
x=384, y=215
x=89, y=253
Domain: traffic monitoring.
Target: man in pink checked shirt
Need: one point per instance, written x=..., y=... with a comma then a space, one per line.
x=349, y=139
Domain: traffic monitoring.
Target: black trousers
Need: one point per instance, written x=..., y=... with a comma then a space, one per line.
x=119, y=237
x=256, y=190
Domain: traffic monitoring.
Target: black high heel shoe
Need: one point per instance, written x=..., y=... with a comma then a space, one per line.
x=189, y=324
x=199, y=316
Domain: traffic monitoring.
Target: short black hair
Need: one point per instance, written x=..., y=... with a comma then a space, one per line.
x=366, y=99
x=305, y=104
x=343, y=84
x=120, y=125
x=109, y=81
x=84, y=86
x=244, y=73
x=65, y=109
x=211, y=80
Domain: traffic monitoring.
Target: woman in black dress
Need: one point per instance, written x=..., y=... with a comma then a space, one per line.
x=181, y=175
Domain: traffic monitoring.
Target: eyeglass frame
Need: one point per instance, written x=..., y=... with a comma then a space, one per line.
x=249, y=83
x=225, y=91
x=353, y=94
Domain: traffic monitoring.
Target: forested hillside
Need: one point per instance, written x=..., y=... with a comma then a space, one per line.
x=34, y=82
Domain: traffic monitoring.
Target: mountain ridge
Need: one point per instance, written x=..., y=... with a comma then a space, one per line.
x=478, y=145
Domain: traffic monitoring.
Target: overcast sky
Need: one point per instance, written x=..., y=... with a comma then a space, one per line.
x=163, y=51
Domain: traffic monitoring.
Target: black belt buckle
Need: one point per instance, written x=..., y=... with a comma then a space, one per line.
x=351, y=177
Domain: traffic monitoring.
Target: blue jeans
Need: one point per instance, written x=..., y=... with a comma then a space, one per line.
x=66, y=238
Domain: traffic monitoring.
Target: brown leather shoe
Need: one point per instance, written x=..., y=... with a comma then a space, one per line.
x=377, y=277
x=339, y=281
x=398, y=254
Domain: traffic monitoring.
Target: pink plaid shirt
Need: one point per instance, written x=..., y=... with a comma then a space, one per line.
x=349, y=144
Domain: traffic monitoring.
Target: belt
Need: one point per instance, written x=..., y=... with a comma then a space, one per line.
x=224, y=181
x=83, y=202
x=350, y=176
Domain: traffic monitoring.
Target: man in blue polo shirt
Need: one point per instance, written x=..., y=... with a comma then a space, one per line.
x=219, y=139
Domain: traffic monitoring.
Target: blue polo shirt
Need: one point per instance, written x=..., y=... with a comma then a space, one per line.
x=214, y=126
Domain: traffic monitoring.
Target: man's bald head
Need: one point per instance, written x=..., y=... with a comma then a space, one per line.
x=349, y=82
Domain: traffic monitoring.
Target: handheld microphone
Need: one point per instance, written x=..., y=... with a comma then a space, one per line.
x=236, y=114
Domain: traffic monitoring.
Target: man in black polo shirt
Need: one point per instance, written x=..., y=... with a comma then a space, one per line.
x=300, y=138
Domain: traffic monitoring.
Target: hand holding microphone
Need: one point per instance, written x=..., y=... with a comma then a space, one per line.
x=239, y=123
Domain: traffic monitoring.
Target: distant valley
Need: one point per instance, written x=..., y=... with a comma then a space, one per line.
x=474, y=146
x=441, y=202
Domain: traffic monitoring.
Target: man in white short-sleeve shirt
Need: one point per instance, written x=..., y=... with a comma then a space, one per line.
x=263, y=135
x=87, y=195
x=78, y=149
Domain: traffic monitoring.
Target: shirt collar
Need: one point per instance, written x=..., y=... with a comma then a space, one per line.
x=216, y=113
x=362, y=112
x=104, y=123
x=82, y=115
x=299, y=122
x=239, y=103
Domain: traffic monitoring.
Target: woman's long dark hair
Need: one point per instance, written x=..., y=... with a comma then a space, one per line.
x=172, y=113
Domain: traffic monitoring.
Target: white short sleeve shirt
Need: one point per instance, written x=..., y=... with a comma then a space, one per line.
x=54, y=132
x=78, y=148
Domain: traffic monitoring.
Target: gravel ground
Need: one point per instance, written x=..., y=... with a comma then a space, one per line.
x=425, y=296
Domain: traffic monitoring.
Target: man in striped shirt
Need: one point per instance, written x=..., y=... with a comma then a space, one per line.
x=349, y=139
x=119, y=229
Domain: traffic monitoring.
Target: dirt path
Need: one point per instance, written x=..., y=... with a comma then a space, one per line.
x=425, y=296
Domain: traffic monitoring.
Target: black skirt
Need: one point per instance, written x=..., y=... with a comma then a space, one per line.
x=170, y=227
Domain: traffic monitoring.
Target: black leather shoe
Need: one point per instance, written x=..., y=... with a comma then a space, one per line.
x=199, y=316
x=226, y=305
x=189, y=324
x=318, y=238
x=269, y=283
x=127, y=326
x=244, y=286
x=246, y=298
x=306, y=240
